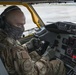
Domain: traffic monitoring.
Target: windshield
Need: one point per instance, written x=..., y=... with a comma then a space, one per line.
x=54, y=12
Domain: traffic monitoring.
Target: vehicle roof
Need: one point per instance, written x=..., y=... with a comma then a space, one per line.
x=30, y=1
x=22, y=1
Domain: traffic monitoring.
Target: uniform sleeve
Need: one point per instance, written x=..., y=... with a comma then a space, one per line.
x=29, y=67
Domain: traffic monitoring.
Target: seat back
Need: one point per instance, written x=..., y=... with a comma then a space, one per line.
x=3, y=70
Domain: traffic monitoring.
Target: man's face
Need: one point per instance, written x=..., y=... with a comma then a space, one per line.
x=15, y=21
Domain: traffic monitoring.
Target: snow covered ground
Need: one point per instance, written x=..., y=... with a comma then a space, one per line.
x=57, y=12
x=50, y=13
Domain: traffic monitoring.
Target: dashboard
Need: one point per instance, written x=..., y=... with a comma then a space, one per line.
x=66, y=51
x=62, y=37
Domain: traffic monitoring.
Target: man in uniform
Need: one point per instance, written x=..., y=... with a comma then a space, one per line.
x=15, y=57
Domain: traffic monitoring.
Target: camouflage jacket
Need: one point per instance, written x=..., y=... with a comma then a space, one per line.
x=17, y=60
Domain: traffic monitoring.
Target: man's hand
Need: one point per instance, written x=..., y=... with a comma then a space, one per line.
x=33, y=44
x=49, y=54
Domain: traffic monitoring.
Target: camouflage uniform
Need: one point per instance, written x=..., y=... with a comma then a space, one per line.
x=18, y=62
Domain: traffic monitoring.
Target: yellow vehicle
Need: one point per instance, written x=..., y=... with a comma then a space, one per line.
x=60, y=36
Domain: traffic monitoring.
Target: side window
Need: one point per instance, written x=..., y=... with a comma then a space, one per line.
x=29, y=26
x=29, y=23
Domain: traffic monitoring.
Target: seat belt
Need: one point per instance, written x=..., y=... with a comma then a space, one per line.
x=3, y=70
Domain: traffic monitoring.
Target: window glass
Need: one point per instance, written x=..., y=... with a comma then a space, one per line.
x=53, y=12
